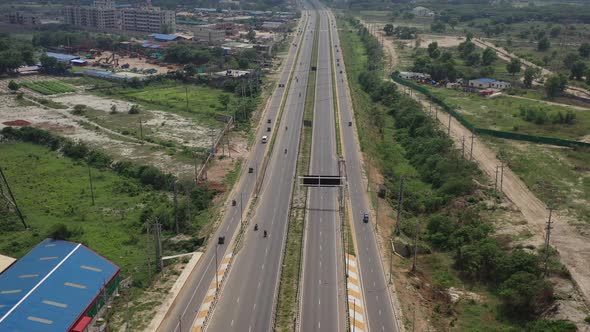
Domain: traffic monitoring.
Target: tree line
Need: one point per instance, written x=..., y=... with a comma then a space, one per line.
x=437, y=179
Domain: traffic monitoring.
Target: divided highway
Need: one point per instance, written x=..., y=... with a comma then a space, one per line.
x=184, y=309
x=378, y=305
x=248, y=295
x=322, y=306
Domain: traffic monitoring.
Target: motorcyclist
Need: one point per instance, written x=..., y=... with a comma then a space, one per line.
x=285, y=150
x=256, y=227
x=265, y=233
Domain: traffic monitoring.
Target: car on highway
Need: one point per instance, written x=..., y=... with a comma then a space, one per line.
x=366, y=218
x=264, y=139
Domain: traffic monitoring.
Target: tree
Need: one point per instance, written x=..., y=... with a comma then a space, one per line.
x=488, y=56
x=525, y=294
x=251, y=35
x=224, y=100
x=134, y=109
x=555, y=31
x=388, y=29
x=466, y=48
x=578, y=70
x=513, y=67
x=438, y=27
x=453, y=22
x=13, y=86
x=432, y=50
x=473, y=59
x=544, y=44
x=584, y=50
x=570, y=59
x=10, y=60
x=555, y=85
x=529, y=75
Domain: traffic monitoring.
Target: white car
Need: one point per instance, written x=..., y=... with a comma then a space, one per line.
x=264, y=139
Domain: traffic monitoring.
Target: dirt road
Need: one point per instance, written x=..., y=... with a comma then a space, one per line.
x=573, y=247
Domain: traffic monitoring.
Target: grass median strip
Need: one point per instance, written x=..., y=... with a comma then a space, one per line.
x=287, y=304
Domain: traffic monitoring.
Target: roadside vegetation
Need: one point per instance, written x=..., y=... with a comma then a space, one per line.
x=446, y=201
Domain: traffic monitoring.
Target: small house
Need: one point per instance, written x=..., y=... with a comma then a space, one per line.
x=488, y=83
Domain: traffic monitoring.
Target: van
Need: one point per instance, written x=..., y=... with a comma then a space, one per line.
x=264, y=139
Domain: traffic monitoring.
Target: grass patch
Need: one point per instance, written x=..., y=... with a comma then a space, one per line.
x=53, y=189
x=49, y=103
x=287, y=304
x=554, y=174
x=503, y=113
x=90, y=82
x=49, y=87
x=203, y=101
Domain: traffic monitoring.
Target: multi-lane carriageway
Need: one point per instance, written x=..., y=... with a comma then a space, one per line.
x=248, y=295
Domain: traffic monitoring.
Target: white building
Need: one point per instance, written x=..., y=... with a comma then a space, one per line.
x=207, y=34
x=489, y=83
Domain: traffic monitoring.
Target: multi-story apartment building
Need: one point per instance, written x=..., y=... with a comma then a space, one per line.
x=23, y=18
x=148, y=20
x=102, y=15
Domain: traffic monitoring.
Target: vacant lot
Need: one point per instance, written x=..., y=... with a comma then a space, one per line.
x=203, y=102
x=504, y=113
x=52, y=189
x=49, y=87
x=556, y=175
x=164, y=128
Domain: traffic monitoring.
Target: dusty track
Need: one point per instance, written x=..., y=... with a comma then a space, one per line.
x=573, y=247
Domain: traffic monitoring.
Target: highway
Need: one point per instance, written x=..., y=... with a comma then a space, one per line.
x=184, y=309
x=322, y=306
x=378, y=305
x=248, y=295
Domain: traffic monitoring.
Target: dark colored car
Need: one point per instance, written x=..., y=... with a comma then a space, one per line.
x=366, y=217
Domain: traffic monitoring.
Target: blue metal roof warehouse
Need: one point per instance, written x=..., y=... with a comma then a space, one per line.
x=53, y=287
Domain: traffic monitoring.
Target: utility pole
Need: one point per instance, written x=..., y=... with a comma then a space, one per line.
x=471, y=152
x=463, y=147
x=91, y=184
x=449, y=130
x=501, y=175
x=186, y=95
x=10, y=198
x=547, y=237
x=496, y=182
x=140, y=130
x=241, y=209
x=391, y=262
x=175, y=200
x=400, y=202
x=147, y=251
x=157, y=234
x=415, y=245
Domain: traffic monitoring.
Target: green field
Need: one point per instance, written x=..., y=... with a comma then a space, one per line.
x=203, y=101
x=503, y=113
x=49, y=87
x=52, y=189
x=554, y=174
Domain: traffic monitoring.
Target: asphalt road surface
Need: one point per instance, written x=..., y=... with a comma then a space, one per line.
x=248, y=296
x=184, y=310
x=378, y=306
x=323, y=289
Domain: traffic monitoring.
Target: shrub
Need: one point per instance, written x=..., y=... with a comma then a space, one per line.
x=525, y=294
x=134, y=109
